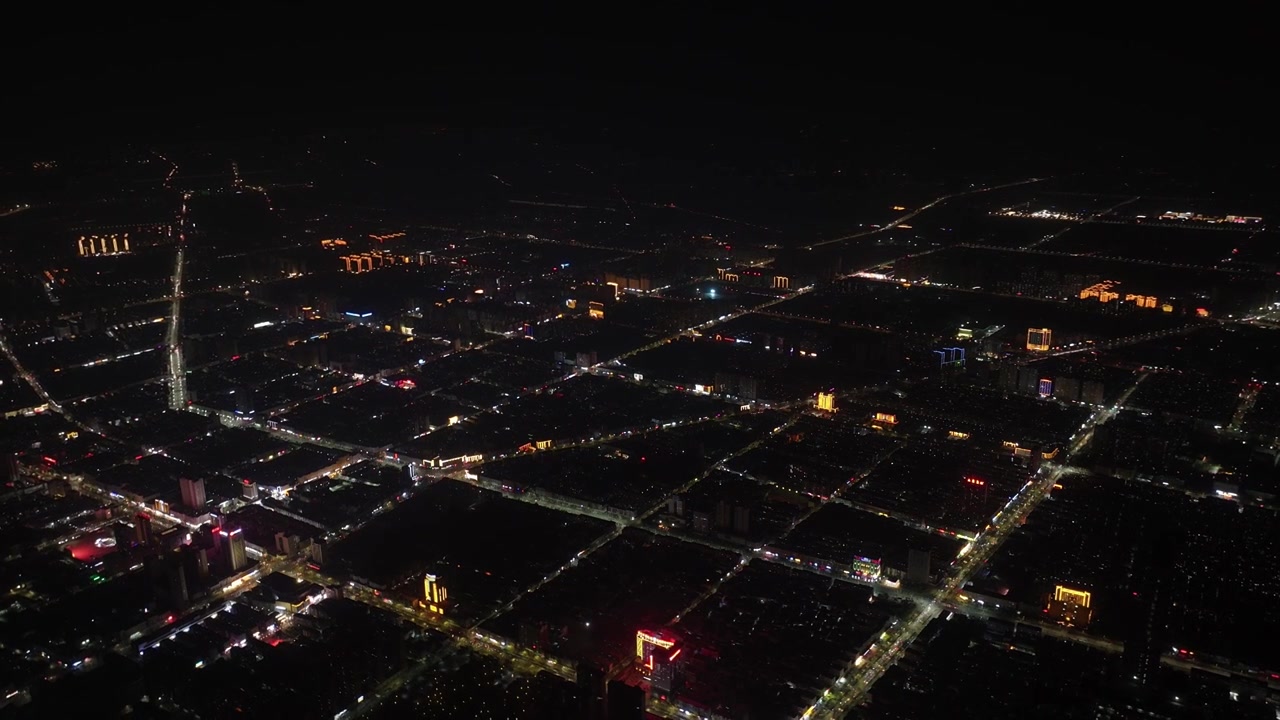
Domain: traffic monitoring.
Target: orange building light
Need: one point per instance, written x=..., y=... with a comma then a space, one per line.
x=1039, y=339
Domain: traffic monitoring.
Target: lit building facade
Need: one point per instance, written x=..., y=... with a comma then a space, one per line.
x=1108, y=291
x=826, y=401
x=233, y=549
x=369, y=261
x=756, y=278
x=109, y=244
x=1039, y=339
x=658, y=656
x=641, y=283
x=1070, y=607
x=434, y=595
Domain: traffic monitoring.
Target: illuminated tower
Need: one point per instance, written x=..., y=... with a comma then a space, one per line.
x=827, y=401
x=434, y=594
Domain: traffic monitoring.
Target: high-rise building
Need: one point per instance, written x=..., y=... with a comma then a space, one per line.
x=168, y=580
x=626, y=702
x=742, y=520
x=142, y=531
x=1039, y=339
x=1070, y=607
x=233, y=551
x=9, y=467
x=827, y=401
x=593, y=689
x=196, y=562
x=919, y=561
x=658, y=655
x=287, y=544
x=724, y=515
x=249, y=490
x=1092, y=392
x=192, y=493
x=434, y=594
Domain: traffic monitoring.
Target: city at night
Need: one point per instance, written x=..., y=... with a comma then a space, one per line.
x=586, y=365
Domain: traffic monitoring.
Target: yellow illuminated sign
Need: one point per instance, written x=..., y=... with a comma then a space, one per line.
x=643, y=637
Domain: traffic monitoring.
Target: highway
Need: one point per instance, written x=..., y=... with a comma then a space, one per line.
x=173, y=337
x=1185, y=661
x=26, y=376
x=1121, y=341
x=1117, y=258
x=911, y=215
x=1083, y=221
x=852, y=685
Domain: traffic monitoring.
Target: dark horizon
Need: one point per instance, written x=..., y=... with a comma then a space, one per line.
x=223, y=73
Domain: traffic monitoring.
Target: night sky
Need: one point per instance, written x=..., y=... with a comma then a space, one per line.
x=1003, y=86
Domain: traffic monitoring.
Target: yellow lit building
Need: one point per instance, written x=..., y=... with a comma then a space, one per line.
x=595, y=310
x=1142, y=301
x=367, y=261
x=1103, y=292
x=1070, y=607
x=886, y=418
x=109, y=244
x=1039, y=339
x=1109, y=290
x=434, y=594
x=827, y=401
